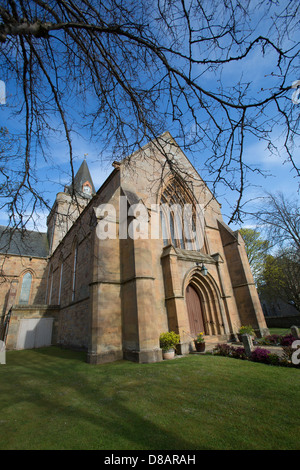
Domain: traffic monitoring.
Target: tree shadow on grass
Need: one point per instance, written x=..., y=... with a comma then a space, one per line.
x=63, y=353
x=78, y=406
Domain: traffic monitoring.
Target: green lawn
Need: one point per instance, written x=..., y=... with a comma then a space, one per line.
x=52, y=399
x=279, y=331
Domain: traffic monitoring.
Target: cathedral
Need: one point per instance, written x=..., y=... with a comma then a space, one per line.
x=147, y=253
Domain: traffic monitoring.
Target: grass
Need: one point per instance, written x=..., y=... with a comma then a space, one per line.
x=279, y=331
x=53, y=399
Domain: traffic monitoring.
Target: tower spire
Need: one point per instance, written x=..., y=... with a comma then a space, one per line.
x=82, y=185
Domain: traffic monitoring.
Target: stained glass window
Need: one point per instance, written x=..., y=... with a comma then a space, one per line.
x=25, y=289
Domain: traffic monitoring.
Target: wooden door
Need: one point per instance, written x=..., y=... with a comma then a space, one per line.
x=194, y=309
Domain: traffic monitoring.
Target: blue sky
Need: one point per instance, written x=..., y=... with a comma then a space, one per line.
x=54, y=173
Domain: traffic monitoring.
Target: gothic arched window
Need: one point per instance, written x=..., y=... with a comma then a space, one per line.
x=180, y=218
x=75, y=254
x=50, y=285
x=60, y=280
x=25, y=289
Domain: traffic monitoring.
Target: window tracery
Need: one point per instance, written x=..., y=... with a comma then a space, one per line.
x=182, y=220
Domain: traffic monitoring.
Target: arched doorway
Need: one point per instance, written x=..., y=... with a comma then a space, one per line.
x=195, y=311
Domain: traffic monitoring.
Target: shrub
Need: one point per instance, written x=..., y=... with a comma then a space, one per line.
x=223, y=350
x=169, y=340
x=271, y=339
x=246, y=330
x=260, y=355
x=287, y=340
x=200, y=338
x=239, y=353
x=274, y=359
x=287, y=354
x=227, y=350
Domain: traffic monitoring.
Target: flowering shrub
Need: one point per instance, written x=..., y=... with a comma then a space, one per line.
x=222, y=350
x=239, y=353
x=227, y=350
x=274, y=360
x=246, y=330
x=169, y=340
x=276, y=340
x=260, y=355
x=200, y=338
x=287, y=354
x=287, y=340
x=272, y=339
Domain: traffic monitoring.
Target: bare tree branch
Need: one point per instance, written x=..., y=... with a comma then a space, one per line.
x=139, y=69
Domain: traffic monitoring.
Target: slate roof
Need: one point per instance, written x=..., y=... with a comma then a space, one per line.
x=23, y=242
x=82, y=175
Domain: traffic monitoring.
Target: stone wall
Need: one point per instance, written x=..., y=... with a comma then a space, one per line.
x=105, y=335
x=73, y=325
x=13, y=268
x=68, y=283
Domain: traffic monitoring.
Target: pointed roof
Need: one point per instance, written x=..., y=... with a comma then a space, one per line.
x=166, y=138
x=81, y=179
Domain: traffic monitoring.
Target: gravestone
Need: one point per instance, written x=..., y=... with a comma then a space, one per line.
x=295, y=332
x=248, y=344
x=2, y=353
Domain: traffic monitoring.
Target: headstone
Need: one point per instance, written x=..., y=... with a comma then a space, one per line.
x=295, y=332
x=2, y=353
x=248, y=344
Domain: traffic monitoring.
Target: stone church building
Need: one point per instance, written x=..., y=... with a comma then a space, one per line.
x=88, y=284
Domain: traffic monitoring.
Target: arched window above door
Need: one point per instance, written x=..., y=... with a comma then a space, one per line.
x=182, y=221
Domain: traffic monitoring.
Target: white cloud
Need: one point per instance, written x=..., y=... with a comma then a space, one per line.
x=259, y=154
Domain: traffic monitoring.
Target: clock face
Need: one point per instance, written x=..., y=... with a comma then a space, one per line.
x=87, y=189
